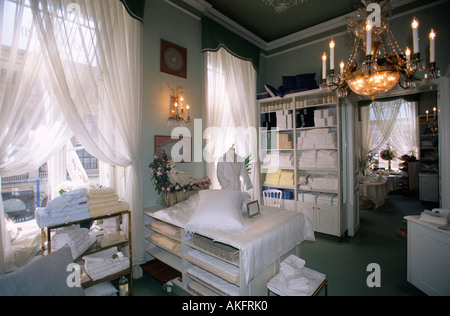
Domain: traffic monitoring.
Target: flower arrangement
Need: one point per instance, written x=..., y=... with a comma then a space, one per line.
x=160, y=170
x=388, y=154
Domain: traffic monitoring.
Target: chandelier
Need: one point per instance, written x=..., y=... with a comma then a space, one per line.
x=385, y=64
x=179, y=113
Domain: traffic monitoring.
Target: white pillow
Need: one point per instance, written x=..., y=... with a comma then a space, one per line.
x=218, y=210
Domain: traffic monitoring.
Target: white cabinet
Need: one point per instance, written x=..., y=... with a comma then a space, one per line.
x=428, y=257
x=300, y=150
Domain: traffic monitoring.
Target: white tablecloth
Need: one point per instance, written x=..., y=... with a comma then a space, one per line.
x=376, y=191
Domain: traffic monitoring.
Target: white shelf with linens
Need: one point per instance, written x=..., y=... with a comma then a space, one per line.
x=208, y=268
x=300, y=148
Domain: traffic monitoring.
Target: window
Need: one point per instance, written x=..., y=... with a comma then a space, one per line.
x=391, y=124
x=21, y=194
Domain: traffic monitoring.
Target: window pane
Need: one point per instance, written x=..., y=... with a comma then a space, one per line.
x=21, y=194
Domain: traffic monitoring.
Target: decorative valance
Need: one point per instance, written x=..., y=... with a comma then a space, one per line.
x=215, y=36
x=135, y=8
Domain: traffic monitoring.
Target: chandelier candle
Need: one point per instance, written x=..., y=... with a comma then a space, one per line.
x=415, y=27
x=332, y=44
x=324, y=66
x=432, y=47
x=369, y=39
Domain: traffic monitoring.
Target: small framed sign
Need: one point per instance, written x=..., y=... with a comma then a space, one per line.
x=253, y=209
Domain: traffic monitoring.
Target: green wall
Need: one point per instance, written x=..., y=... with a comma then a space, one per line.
x=307, y=59
x=163, y=21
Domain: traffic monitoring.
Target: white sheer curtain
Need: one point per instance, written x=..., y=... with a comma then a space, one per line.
x=71, y=67
x=392, y=122
x=32, y=126
x=231, y=112
x=92, y=50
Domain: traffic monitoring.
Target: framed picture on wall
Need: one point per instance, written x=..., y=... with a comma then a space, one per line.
x=177, y=149
x=173, y=59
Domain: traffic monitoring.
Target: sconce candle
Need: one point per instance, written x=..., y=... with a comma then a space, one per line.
x=434, y=110
x=342, y=65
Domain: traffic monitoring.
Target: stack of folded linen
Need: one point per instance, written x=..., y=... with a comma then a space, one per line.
x=323, y=118
x=307, y=159
x=286, y=178
x=295, y=279
x=69, y=207
x=328, y=182
x=104, y=263
x=273, y=177
x=327, y=159
x=78, y=239
x=322, y=138
x=304, y=182
x=105, y=201
x=278, y=159
x=307, y=197
x=328, y=199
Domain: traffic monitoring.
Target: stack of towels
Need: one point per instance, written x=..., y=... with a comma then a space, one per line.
x=324, y=183
x=307, y=159
x=307, y=197
x=295, y=279
x=323, y=118
x=322, y=138
x=278, y=160
x=327, y=159
x=328, y=199
x=69, y=207
x=284, y=119
x=437, y=216
x=105, y=201
x=79, y=239
x=104, y=263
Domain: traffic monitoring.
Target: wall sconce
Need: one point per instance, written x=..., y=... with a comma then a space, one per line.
x=179, y=110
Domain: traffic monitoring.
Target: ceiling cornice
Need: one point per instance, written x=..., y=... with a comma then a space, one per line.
x=208, y=10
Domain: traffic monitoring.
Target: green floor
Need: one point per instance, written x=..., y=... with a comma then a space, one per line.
x=345, y=263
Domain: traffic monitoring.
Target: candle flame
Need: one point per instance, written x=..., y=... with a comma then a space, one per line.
x=432, y=35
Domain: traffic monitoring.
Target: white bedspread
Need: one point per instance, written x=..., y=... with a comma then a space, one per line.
x=272, y=234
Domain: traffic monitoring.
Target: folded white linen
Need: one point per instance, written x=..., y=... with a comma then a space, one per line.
x=104, y=263
x=61, y=203
x=98, y=211
x=307, y=197
x=78, y=239
x=434, y=218
x=299, y=286
x=292, y=265
x=328, y=199
x=101, y=191
x=99, y=199
x=76, y=193
x=44, y=219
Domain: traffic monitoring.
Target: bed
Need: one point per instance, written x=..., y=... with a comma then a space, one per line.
x=262, y=241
